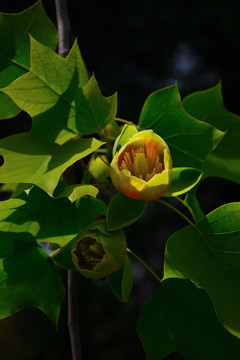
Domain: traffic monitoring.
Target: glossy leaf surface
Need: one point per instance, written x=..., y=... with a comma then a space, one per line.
x=183, y=180
x=189, y=140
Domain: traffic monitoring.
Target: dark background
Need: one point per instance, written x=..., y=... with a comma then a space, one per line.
x=134, y=47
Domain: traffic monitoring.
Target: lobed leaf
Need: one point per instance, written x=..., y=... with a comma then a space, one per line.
x=30, y=159
x=180, y=318
x=189, y=139
x=208, y=253
x=14, y=54
x=208, y=106
x=56, y=93
x=28, y=277
x=47, y=219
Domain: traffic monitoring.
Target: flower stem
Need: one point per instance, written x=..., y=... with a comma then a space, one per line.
x=126, y=122
x=176, y=210
x=144, y=264
x=186, y=206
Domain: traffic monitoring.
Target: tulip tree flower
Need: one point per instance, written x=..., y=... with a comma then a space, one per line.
x=142, y=169
x=96, y=252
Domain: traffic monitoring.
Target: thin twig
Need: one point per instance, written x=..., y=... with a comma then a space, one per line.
x=176, y=210
x=145, y=265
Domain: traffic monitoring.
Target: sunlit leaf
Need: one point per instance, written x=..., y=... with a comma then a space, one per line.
x=183, y=180
x=58, y=97
x=189, y=140
x=47, y=219
x=30, y=159
x=14, y=54
x=75, y=192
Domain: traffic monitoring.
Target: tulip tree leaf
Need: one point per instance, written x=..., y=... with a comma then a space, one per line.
x=127, y=132
x=47, y=219
x=121, y=281
x=189, y=140
x=30, y=159
x=209, y=254
x=183, y=180
x=124, y=211
x=28, y=277
x=192, y=202
x=85, y=207
x=180, y=317
x=56, y=94
x=14, y=54
x=208, y=106
x=75, y=192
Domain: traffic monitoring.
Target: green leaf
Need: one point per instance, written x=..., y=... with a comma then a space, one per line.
x=93, y=110
x=56, y=94
x=28, y=277
x=63, y=257
x=194, y=206
x=30, y=159
x=123, y=211
x=189, y=140
x=47, y=219
x=75, y=192
x=127, y=132
x=180, y=318
x=208, y=106
x=209, y=254
x=121, y=281
x=90, y=208
x=183, y=180
x=14, y=54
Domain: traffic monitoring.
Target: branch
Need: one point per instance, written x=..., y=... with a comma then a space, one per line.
x=64, y=46
x=64, y=29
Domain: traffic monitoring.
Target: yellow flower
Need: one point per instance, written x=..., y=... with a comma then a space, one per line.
x=142, y=169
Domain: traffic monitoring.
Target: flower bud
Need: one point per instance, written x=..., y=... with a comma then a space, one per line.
x=96, y=252
x=142, y=169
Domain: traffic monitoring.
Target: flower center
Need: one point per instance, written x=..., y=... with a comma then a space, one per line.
x=143, y=162
x=89, y=253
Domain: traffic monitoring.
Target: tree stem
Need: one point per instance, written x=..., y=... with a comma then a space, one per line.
x=73, y=315
x=64, y=28
x=64, y=45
